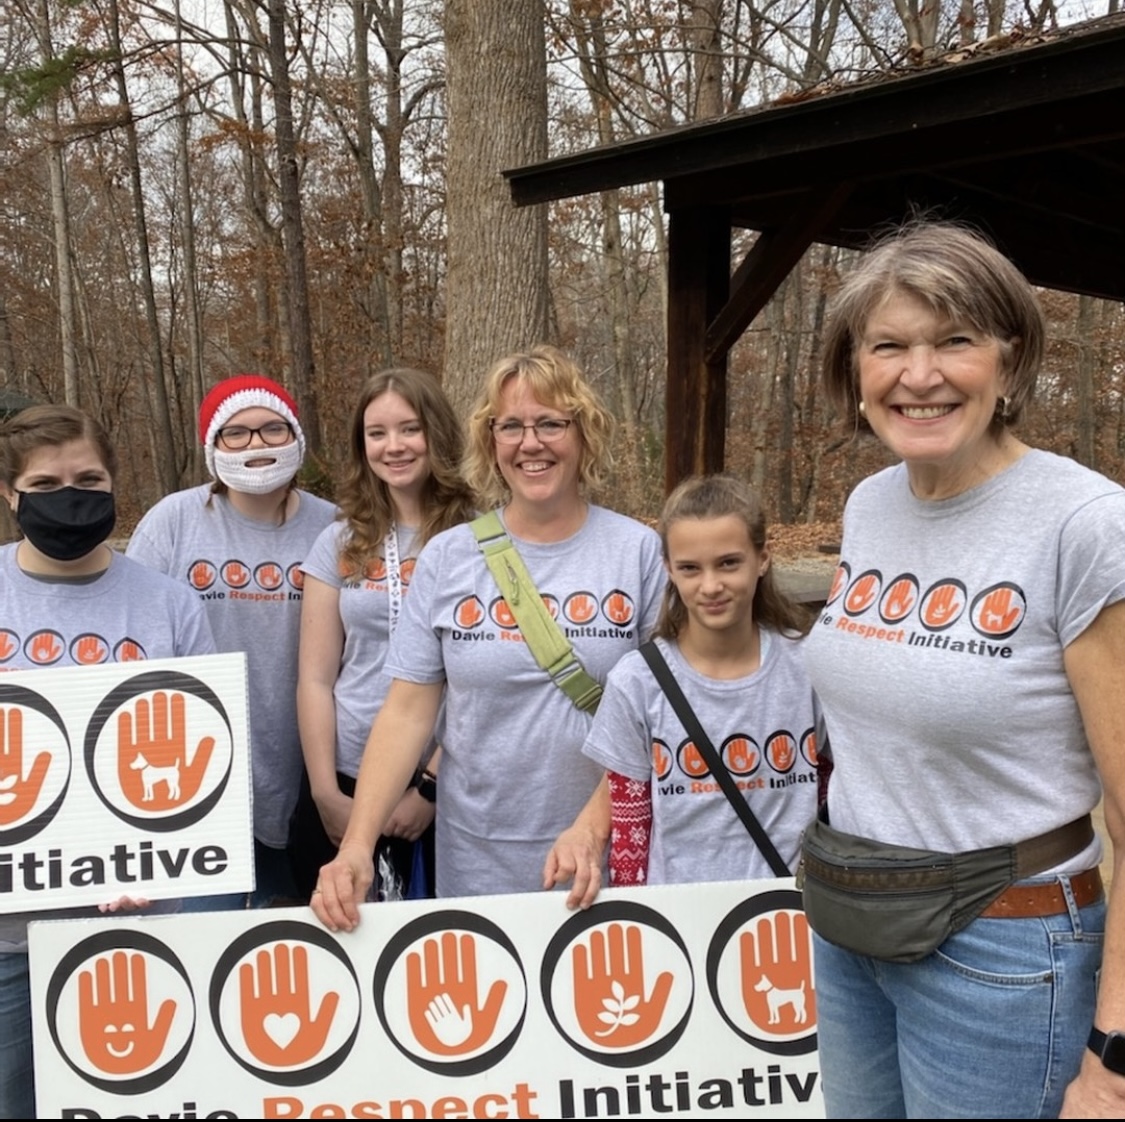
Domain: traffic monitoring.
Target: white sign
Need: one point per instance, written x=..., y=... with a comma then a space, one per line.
x=687, y=1001
x=124, y=779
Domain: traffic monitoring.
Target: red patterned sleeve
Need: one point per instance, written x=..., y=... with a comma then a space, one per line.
x=631, y=802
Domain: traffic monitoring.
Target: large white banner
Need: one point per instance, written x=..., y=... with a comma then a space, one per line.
x=677, y=1002
x=128, y=778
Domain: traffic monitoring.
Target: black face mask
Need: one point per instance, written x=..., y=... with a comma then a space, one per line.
x=68, y=523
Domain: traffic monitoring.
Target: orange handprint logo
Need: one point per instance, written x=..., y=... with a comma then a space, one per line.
x=129, y=650
x=781, y=751
x=839, y=579
x=9, y=644
x=152, y=764
x=269, y=576
x=443, y=999
x=375, y=569
x=406, y=570
x=776, y=971
x=618, y=608
x=610, y=1001
x=469, y=613
x=45, y=647
x=943, y=605
x=18, y=792
x=276, y=1007
x=998, y=611
x=502, y=614
x=88, y=650
x=201, y=575
x=113, y=1015
x=740, y=754
x=692, y=762
x=899, y=599
x=296, y=577
x=236, y=575
x=580, y=607
x=552, y=604
x=862, y=594
x=661, y=759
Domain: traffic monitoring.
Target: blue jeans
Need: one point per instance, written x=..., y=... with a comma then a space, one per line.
x=17, y=1087
x=273, y=879
x=993, y=1024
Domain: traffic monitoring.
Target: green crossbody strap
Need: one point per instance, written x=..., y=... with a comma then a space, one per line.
x=544, y=637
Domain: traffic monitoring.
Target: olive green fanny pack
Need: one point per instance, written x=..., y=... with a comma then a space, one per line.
x=898, y=904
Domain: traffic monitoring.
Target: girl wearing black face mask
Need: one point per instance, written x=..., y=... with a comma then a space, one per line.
x=66, y=599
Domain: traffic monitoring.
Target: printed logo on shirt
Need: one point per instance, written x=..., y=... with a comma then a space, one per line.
x=295, y=577
x=840, y=580
x=998, y=611
x=469, y=613
x=552, y=604
x=741, y=755
x=235, y=574
x=121, y=1011
x=781, y=752
x=35, y=764
x=202, y=575
x=451, y=993
x=501, y=614
x=9, y=644
x=285, y=1001
x=89, y=649
x=760, y=975
x=899, y=599
x=995, y=614
x=269, y=576
x=618, y=608
x=618, y=985
x=44, y=647
x=375, y=570
x=808, y=748
x=862, y=593
x=691, y=762
x=128, y=650
x=580, y=607
x=661, y=759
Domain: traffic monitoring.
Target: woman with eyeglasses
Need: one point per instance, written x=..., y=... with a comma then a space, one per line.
x=514, y=788
x=401, y=486
x=239, y=544
x=66, y=599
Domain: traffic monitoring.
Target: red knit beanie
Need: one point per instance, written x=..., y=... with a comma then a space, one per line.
x=243, y=391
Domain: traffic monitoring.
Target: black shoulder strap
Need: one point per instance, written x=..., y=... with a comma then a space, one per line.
x=706, y=749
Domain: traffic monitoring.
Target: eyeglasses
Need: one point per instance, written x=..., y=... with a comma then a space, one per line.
x=547, y=429
x=237, y=437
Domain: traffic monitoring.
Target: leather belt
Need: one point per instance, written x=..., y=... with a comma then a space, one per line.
x=1021, y=901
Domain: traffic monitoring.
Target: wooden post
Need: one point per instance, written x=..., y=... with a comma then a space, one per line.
x=696, y=395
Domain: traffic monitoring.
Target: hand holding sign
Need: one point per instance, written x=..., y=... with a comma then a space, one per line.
x=609, y=989
x=17, y=792
x=443, y=999
x=278, y=1023
x=113, y=1016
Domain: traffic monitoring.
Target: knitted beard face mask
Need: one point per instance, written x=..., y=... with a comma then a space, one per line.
x=231, y=468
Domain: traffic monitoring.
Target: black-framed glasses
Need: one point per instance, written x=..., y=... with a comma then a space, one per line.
x=547, y=429
x=237, y=437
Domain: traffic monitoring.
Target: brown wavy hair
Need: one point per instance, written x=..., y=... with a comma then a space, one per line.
x=365, y=500
x=716, y=496
x=556, y=381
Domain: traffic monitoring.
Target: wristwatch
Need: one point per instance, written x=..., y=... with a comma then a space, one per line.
x=425, y=782
x=1109, y=1047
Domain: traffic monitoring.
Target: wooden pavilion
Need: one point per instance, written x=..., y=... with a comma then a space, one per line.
x=1026, y=141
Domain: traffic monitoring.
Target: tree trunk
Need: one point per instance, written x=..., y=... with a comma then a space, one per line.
x=496, y=287
x=292, y=232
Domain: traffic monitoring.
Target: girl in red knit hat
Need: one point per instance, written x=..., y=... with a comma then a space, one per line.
x=239, y=544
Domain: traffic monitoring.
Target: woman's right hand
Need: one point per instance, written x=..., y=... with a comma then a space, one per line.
x=341, y=887
x=334, y=808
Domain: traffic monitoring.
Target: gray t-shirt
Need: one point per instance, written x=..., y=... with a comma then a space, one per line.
x=248, y=576
x=360, y=687
x=513, y=775
x=129, y=612
x=938, y=658
x=763, y=726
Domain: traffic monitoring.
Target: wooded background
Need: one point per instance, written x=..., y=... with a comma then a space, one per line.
x=312, y=190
